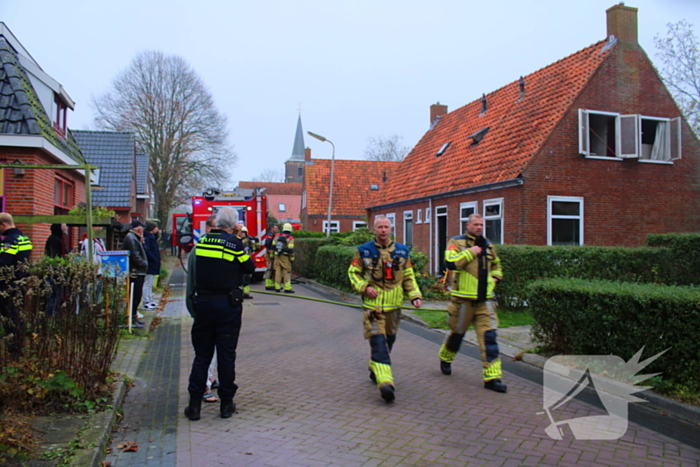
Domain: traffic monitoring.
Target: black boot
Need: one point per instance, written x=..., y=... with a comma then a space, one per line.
x=193, y=410
x=496, y=385
x=227, y=409
x=446, y=368
x=387, y=392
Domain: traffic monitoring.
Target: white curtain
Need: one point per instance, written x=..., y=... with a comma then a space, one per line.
x=659, y=148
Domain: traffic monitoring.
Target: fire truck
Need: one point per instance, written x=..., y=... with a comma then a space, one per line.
x=251, y=205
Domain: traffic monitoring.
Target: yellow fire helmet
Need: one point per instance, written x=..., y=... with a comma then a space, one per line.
x=287, y=227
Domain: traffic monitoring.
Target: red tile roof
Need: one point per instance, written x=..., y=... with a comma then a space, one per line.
x=351, y=187
x=274, y=188
x=517, y=130
x=292, y=204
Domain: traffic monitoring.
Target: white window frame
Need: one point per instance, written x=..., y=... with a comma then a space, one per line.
x=419, y=216
x=463, y=220
x=628, y=136
x=335, y=226
x=281, y=207
x=672, y=143
x=358, y=225
x=392, y=221
x=550, y=216
x=427, y=215
x=407, y=215
x=492, y=202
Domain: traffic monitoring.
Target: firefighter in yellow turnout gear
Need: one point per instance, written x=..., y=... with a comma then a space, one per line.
x=383, y=275
x=270, y=257
x=283, y=243
x=477, y=269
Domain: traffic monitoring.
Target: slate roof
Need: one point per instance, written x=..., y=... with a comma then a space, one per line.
x=141, y=173
x=518, y=127
x=21, y=112
x=351, y=186
x=114, y=153
x=274, y=188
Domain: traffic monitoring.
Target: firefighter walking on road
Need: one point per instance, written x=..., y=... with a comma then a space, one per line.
x=382, y=273
x=284, y=257
x=477, y=269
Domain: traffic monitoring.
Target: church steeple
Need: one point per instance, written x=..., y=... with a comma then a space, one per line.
x=298, y=149
x=294, y=167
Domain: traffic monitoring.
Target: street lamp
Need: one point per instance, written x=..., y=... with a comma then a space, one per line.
x=330, y=193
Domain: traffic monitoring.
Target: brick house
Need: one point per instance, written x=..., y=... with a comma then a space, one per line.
x=588, y=150
x=34, y=130
x=283, y=199
x=355, y=182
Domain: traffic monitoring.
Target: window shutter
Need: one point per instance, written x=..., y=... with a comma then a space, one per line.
x=583, y=133
x=628, y=136
x=675, y=138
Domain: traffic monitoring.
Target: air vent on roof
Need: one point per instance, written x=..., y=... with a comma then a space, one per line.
x=522, y=88
x=374, y=187
x=443, y=149
x=483, y=104
x=478, y=136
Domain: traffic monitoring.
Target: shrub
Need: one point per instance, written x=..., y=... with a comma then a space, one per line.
x=585, y=317
x=54, y=360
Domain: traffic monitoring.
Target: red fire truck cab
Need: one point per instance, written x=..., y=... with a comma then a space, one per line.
x=251, y=205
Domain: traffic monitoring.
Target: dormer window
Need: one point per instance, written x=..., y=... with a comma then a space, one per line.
x=374, y=187
x=60, y=124
x=443, y=149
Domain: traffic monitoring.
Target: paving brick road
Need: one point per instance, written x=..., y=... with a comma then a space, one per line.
x=305, y=399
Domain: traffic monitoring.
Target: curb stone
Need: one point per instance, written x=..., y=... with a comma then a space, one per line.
x=654, y=401
x=99, y=429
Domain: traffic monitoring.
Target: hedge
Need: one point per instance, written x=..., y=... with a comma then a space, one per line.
x=584, y=317
x=305, y=255
x=524, y=264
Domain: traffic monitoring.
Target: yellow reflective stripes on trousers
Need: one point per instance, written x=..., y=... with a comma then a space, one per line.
x=385, y=300
x=493, y=370
x=382, y=372
x=446, y=355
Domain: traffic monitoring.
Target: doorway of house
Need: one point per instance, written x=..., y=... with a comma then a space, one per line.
x=441, y=237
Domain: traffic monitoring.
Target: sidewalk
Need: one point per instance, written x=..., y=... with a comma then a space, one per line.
x=96, y=431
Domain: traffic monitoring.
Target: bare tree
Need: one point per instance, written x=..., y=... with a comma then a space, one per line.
x=270, y=175
x=176, y=123
x=386, y=149
x=680, y=55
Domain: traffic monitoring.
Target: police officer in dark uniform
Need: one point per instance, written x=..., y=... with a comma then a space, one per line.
x=215, y=274
x=15, y=250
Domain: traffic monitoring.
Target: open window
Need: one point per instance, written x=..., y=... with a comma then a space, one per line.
x=608, y=134
x=660, y=139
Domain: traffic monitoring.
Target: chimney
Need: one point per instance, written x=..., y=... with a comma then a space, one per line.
x=307, y=154
x=622, y=22
x=437, y=110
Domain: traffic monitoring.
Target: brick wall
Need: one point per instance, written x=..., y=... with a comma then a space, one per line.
x=33, y=193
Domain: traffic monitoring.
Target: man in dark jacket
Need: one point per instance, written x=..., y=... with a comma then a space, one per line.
x=15, y=249
x=138, y=265
x=55, y=244
x=153, y=256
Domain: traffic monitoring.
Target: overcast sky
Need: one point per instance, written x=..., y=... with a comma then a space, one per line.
x=357, y=69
